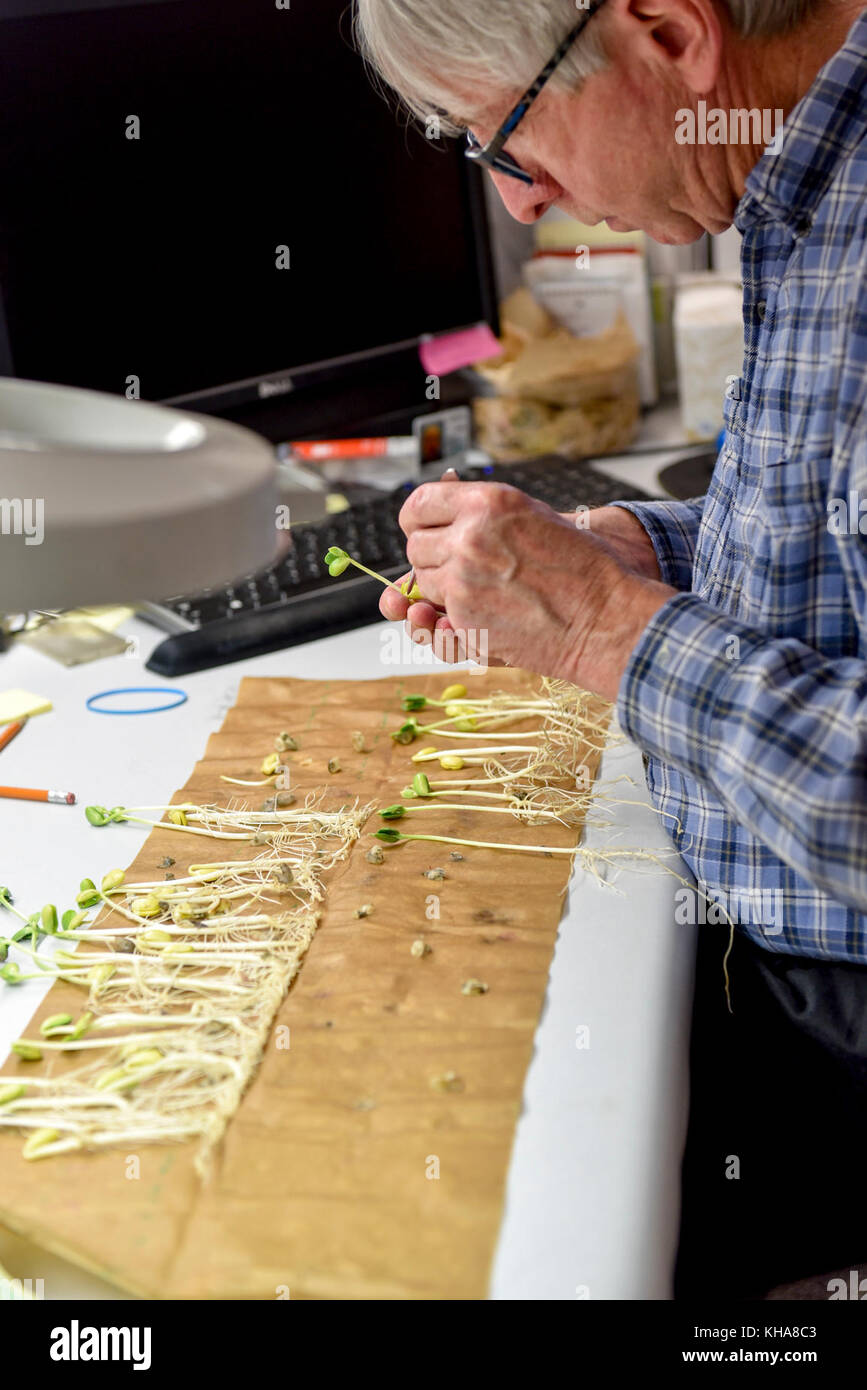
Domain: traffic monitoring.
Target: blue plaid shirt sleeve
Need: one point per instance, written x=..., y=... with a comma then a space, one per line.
x=673, y=529
x=775, y=730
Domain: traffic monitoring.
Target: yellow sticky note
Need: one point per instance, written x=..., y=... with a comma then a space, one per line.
x=18, y=704
x=109, y=619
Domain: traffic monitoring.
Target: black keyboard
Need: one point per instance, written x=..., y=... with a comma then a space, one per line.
x=296, y=600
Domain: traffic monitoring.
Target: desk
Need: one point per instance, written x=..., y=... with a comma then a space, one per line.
x=592, y=1198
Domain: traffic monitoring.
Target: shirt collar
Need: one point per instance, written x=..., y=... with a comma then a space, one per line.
x=819, y=133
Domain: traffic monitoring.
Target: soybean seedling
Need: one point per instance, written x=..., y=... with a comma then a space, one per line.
x=339, y=560
x=394, y=837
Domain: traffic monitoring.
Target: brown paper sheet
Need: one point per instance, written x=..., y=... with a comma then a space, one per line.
x=325, y=1185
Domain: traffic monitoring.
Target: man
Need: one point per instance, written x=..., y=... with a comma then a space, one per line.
x=730, y=631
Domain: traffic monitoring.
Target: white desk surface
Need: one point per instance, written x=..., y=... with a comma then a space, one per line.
x=592, y=1204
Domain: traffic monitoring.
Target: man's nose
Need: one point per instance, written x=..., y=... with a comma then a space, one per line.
x=526, y=202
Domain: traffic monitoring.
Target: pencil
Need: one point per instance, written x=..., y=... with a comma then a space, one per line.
x=33, y=794
x=10, y=731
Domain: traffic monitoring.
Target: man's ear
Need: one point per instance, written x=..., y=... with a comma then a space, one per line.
x=684, y=36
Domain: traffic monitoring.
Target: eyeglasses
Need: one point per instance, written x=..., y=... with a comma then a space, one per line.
x=491, y=155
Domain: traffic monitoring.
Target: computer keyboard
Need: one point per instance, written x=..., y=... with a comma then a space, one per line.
x=295, y=600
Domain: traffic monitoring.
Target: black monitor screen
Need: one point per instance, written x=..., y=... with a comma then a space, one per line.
x=257, y=128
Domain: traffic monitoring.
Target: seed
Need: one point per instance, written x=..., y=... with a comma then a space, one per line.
x=454, y=692
x=10, y=1093
x=88, y=897
x=358, y=741
x=28, y=1052
x=447, y=1081
x=435, y=873
x=144, y=1057
x=285, y=743
x=176, y=817
x=421, y=785
x=283, y=874
x=49, y=919
x=375, y=855
x=365, y=910
x=407, y=733
x=148, y=906
x=168, y=878
x=96, y=815
x=474, y=987
x=452, y=762
x=38, y=1140
x=466, y=725
x=112, y=880
x=100, y=975
x=334, y=765
x=55, y=1021
x=154, y=936
x=71, y=920
x=270, y=764
x=110, y=1079
x=11, y=973
x=82, y=1026
x=178, y=948
x=420, y=948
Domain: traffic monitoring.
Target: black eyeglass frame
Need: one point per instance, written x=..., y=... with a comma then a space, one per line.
x=491, y=155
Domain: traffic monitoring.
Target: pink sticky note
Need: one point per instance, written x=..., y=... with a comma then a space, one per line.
x=453, y=350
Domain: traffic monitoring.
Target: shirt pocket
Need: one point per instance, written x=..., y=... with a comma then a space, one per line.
x=795, y=580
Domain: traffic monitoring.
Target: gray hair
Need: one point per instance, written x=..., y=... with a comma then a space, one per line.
x=434, y=52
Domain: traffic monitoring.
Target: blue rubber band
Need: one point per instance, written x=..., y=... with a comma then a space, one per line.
x=180, y=698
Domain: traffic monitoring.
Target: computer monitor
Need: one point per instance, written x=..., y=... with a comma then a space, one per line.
x=209, y=203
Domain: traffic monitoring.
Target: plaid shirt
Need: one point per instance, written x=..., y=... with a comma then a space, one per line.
x=748, y=690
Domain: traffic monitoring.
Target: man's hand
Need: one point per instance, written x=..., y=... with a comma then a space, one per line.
x=623, y=534
x=555, y=598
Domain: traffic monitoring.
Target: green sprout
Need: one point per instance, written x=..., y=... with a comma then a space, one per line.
x=337, y=561
x=100, y=815
x=390, y=836
x=407, y=732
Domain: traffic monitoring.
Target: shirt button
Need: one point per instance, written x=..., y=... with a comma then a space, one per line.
x=762, y=309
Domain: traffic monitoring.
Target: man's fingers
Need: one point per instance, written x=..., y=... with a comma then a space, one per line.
x=427, y=549
x=422, y=614
x=393, y=606
x=431, y=504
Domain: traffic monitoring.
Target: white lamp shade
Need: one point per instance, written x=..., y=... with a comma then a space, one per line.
x=106, y=500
